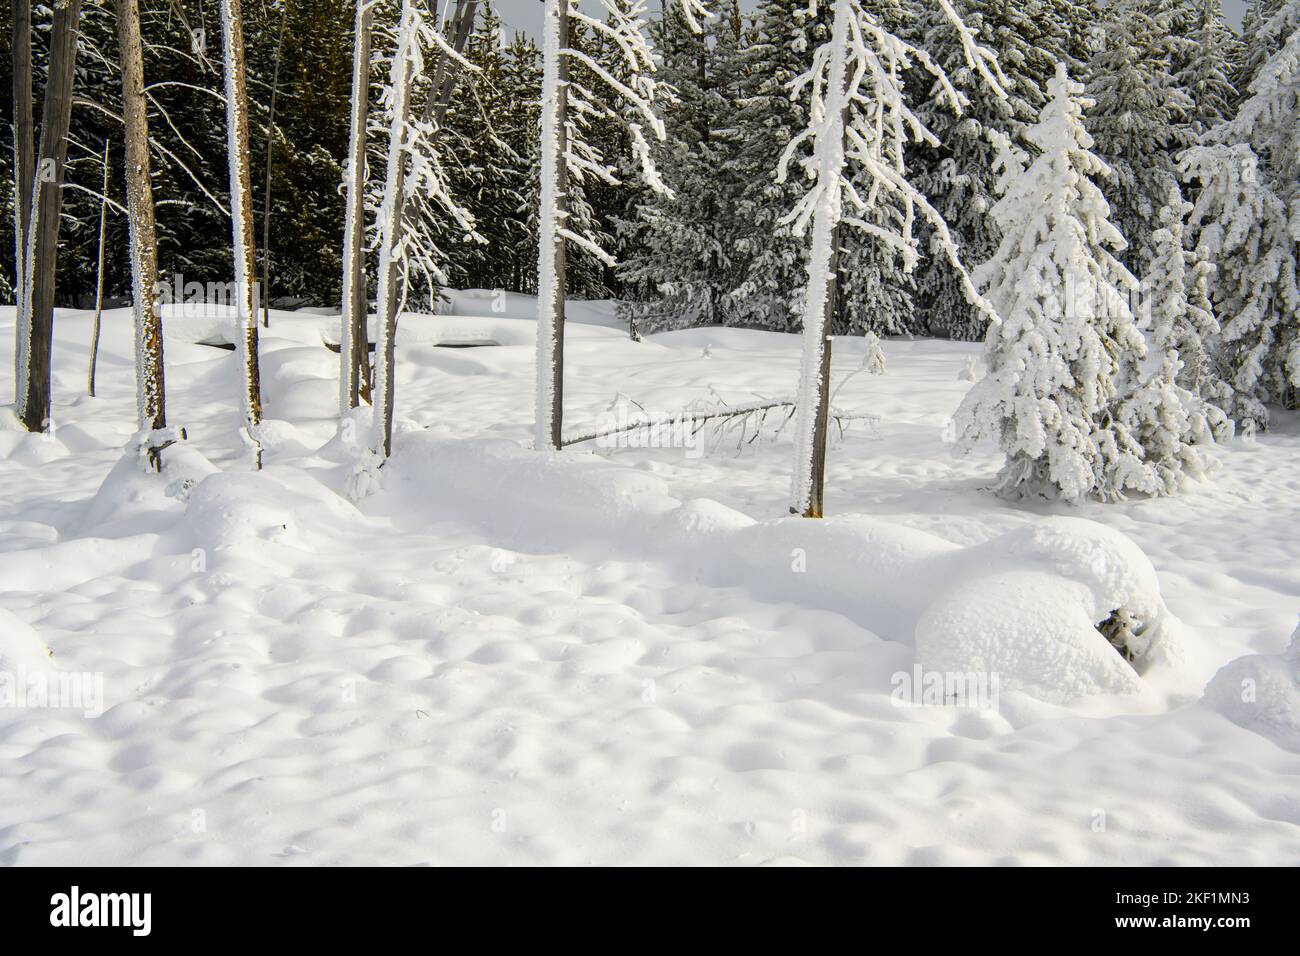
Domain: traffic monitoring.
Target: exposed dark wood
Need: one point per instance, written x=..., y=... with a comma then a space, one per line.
x=51, y=157
x=24, y=148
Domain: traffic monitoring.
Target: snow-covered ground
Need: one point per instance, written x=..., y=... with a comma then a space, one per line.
x=620, y=655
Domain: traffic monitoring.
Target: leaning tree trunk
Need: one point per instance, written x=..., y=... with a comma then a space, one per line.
x=24, y=164
x=43, y=241
x=814, y=373
x=99, y=281
x=241, y=217
x=354, y=359
x=151, y=396
x=551, y=273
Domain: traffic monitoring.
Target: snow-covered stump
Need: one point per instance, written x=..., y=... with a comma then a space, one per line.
x=151, y=398
x=241, y=220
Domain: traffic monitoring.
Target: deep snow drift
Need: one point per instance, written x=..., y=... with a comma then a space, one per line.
x=621, y=654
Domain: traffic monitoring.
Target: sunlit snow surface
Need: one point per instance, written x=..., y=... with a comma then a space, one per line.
x=611, y=657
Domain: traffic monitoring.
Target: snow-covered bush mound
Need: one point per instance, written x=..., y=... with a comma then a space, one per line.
x=1261, y=692
x=1026, y=606
x=21, y=649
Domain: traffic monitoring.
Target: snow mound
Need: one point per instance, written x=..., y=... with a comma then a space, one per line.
x=1261, y=692
x=1026, y=606
x=21, y=649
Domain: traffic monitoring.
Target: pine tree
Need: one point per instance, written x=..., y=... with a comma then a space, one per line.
x=1246, y=220
x=1067, y=341
x=957, y=175
x=1207, y=74
x=683, y=271
x=771, y=260
x=1175, y=410
x=1141, y=119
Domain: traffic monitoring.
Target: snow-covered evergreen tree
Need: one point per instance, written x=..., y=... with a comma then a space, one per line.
x=681, y=269
x=1173, y=409
x=1207, y=74
x=1141, y=119
x=771, y=260
x=957, y=175
x=1067, y=342
x=1246, y=221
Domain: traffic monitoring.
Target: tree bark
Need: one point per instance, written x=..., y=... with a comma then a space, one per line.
x=151, y=398
x=392, y=291
x=354, y=353
x=24, y=163
x=551, y=265
x=266, y=199
x=99, y=281
x=241, y=216
x=56, y=116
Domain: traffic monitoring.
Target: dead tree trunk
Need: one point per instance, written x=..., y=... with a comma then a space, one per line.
x=56, y=116
x=551, y=266
x=822, y=391
x=266, y=197
x=354, y=352
x=24, y=163
x=151, y=398
x=241, y=216
x=99, y=281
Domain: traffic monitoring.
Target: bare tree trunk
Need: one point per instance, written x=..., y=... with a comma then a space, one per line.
x=266, y=200
x=56, y=116
x=241, y=215
x=392, y=292
x=99, y=281
x=551, y=265
x=24, y=163
x=354, y=353
x=151, y=396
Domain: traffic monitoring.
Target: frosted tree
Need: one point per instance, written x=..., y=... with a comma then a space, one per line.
x=1173, y=410
x=681, y=267
x=1141, y=119
x=957, y=176
x=1207, y=76
x=858, y=127
x=1067, y=342
x=415, y=187
x=151, y=403
x=565, y=155
x=241, y=220
x=1246, y=220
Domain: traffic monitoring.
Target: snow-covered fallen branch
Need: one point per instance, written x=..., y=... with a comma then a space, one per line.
x=695, y=417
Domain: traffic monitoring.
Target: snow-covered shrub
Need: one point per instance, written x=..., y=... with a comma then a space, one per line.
x=1067, y=339
x=1261, y=692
